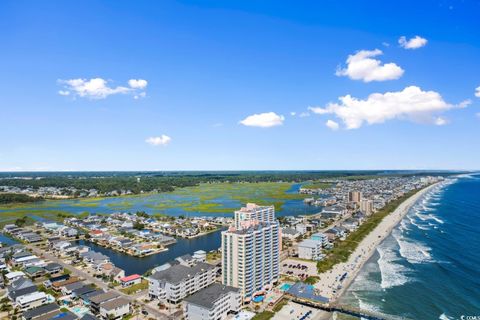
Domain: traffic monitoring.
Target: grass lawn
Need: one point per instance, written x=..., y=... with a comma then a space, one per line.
x=343, y=249
x=136, y=287
x=265, y=315
x=280, y=305
x=213, y=256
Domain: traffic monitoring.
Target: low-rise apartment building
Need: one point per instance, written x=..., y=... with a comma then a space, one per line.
x=212, y=303
x=178, y=281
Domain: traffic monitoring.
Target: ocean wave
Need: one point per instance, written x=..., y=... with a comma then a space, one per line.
x=443, y=316
x=436, y=218
x=413, y=252
x=362, y=304
x=430, y=216
x=403, y=225
x=418, y=225
x=422, y=217
x=392, y=274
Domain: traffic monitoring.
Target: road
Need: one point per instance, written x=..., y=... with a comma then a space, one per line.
x=99, y=283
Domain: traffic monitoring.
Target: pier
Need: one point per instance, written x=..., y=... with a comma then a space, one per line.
x=349, y=310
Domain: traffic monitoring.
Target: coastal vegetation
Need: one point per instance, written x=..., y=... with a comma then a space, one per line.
x=311, y=280
x=140, y=182
x=8, y=198
x=317, y=185
x=343, y=249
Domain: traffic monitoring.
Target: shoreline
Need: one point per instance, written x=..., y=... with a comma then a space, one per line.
x=363, y=252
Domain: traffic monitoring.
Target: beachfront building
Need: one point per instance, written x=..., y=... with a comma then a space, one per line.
x=366, y=206
x=320, y=237
x=253, y=211
x=214, y=302
x=310, y=249
x=178, y=281
x=250, y=251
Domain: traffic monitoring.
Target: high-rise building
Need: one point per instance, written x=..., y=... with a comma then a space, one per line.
x=366, y=206
x=354, y=196
x=254, y=212
x=251, y=250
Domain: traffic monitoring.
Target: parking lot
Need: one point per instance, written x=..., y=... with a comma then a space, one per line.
x=298, y=268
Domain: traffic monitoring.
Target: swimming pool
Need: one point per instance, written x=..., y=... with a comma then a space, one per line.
x=79, y=311
x=284, y=287
x=258, y=298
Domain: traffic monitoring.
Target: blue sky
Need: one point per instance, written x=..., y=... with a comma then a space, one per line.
x=239, y=85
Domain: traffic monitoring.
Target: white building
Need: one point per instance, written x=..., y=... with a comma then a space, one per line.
x=178, y=281
x=115, y=309
x=200, y=256
x=14, y=275
x=31, y=300
x=310, y=249
x=250, y=253
x=212, y=303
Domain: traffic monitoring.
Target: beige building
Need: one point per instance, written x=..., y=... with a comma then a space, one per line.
x=366, y=206
x=354, y=196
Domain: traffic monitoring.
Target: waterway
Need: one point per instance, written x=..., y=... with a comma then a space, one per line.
x=137, y=265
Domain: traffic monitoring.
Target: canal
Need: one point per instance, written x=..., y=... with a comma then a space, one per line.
x=131, y=265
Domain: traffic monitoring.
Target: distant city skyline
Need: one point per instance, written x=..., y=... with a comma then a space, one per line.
x=209, y=85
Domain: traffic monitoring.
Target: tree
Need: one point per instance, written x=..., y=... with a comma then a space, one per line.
x=142, y=214
x=20, y=222
x=138, y=226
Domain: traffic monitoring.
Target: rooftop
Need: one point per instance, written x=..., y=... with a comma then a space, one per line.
x=115, y=303
x=206, y=297
x=178, y=273
x=130, y=278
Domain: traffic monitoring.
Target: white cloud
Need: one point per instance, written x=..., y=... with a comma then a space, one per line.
x=362, y=66
x=263, y=120
x=477, y=92
x=162, y=140
x=140, y=95
x=318, y=110
x=412, y=103
x=293, y=113
x=412, y=43
x=137, y=83
x=440, y=121
x=332, y=124
x=98, y=88
x=304, y=114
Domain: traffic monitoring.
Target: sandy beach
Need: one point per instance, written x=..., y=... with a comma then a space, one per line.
x=329, y=283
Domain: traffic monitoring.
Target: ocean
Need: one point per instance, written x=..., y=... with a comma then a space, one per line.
x=429, y=267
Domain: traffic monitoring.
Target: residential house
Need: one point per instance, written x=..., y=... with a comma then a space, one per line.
x=115, y=309
x=130, y=280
